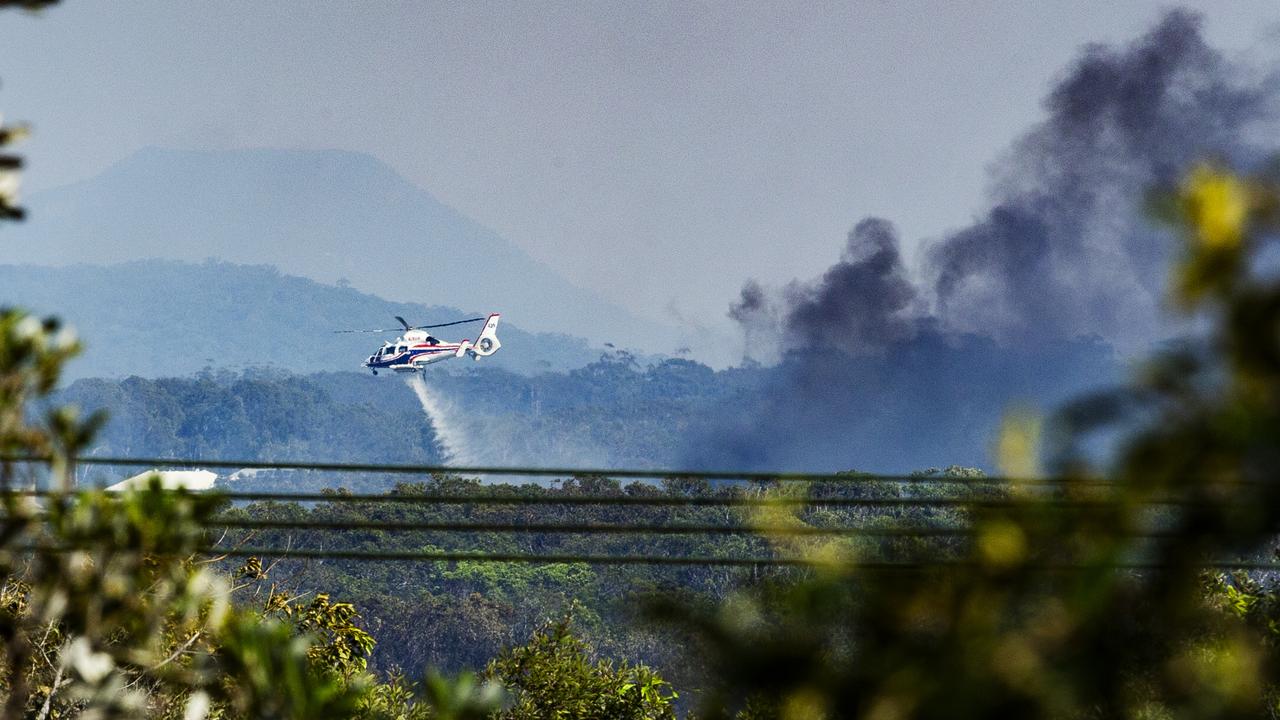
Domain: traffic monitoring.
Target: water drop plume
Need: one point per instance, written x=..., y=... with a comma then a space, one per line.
x=452, y=439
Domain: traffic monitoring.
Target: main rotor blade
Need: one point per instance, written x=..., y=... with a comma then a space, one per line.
x=455, y=322
x=408, y=327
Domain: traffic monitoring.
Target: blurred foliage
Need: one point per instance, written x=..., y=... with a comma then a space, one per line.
x=27, y=4
x=9, y=167
x=554, y=676
x=32, y=353
x=10, y=164
x=1040, y=617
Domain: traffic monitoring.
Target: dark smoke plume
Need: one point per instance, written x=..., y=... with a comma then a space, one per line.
x=757, y=315
x=859, y=305
x=1026, y=301
x=862, y=303
x=1066, y=250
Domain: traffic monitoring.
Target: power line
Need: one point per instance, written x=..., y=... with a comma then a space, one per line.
x=547, y=558
x=608, y=529
x=722, y=500
x=421, y=556
x=541, y=558
x=588, y=528
x=329, y=526
x=731, y=561
x=933, y=563
x=688, y=501
x=412, y=469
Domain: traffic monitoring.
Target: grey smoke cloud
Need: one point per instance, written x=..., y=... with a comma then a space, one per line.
x=859, y=305
x=1065, y=250
x=862, y=303
x=757, y=314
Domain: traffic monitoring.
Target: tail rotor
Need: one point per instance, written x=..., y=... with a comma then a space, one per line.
x=487, y=343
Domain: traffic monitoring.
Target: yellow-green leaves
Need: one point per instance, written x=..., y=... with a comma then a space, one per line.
x=1214, y=212
x=1001, y=543
x=10, y=165
x=1018, y=445
x=1216, y=205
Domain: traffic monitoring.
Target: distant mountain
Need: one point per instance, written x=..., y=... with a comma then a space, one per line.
x=326, y=215
x=164, y=318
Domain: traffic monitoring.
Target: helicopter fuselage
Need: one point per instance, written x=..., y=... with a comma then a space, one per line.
x=410, y=352
x=417, y=348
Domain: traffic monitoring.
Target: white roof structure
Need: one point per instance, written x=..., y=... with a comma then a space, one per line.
x=194, y=480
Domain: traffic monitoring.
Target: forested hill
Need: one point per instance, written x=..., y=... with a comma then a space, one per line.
x=615, y=412
x=473, y=609
x=610, y=413
x=162, y=318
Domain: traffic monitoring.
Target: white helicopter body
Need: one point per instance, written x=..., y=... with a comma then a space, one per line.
x=417, y=348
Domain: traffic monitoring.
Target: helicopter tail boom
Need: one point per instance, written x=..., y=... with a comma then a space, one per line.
x=486, y=344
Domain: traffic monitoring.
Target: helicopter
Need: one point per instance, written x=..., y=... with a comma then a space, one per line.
x=416, y=348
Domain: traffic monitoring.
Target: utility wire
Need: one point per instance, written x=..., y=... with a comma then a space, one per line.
x=932, y=563
x=1039, y=501
x=410, y=469
x=593, y=559
x=688, y=501
x=338, y=525
x=547, y=558
x=606, y=529
x=588, y=528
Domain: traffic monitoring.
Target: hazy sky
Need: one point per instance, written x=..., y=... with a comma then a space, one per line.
x=657, y=153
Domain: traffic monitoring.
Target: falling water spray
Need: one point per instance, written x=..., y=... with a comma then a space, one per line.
x=449, y=433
